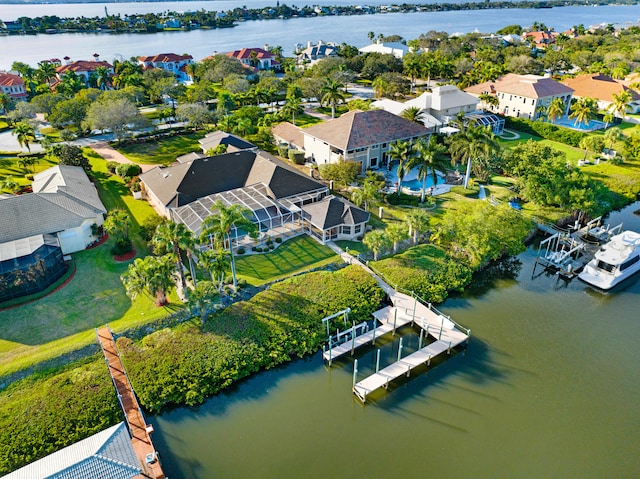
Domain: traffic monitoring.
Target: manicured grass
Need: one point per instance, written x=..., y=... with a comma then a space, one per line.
x=304, y=120
x=9, y=167
x=340, y=110
x=298, y=254
x=161, y=152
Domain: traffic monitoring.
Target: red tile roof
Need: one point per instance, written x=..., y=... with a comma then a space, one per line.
x=598, y=86
x=9, y=79
x=529, y=86
x=83, y=66
x=165, y=57
x=245, y=53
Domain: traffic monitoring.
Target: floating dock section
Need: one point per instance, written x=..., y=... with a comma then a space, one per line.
x=138, y=429
x=439, y=331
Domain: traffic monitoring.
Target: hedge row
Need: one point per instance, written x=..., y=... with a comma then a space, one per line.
x=44, y=413
x=185, y=364
x=546, y=130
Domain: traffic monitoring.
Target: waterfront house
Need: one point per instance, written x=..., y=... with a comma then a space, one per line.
x=522, y=96
x=276, y=193
x=541, y=40
x=108, y=453
x=37, y=229
x=256, y=58
x=170, y=62
x=360, y=136
x=398, y=50
x=314, y=52
x=602, y=88
x=83, y=68
x=13, y=86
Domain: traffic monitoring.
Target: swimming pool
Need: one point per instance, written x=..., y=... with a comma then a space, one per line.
x=591, y=125
x=410, y=180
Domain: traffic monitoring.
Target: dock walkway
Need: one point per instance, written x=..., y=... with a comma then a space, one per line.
x=138, y=428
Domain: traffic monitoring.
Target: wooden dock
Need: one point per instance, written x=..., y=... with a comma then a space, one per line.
x=138, y=428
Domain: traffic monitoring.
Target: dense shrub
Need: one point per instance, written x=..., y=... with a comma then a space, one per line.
x=426, y=270
x=40, y=415
x=121, y=246
x=111, y=166
x=128, y=169
x=149, y=225
x=278, y=240
x=545, y=130
x=297, y=156
x=241, y=251
x=402, y=199
x=283, y=151
x=185, y=364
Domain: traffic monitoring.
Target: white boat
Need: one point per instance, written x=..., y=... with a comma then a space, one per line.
x=614, y=262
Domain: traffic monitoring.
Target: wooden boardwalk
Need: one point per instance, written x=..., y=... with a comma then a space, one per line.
x=138, y=428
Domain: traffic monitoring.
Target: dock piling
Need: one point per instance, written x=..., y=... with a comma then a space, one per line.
x=375, y=325
x=395, y=317
x=355, y=373
x=378, y=361
x=353, y=338
x=400, y=350
x=449, y=348
x=421, y=337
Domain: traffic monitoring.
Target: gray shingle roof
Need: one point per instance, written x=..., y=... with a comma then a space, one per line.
x=233, y=142
x=107, y=454
x=360, y=129
x=332, y=211
x=63, y=198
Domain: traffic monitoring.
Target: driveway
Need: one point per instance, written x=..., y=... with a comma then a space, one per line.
x=8, y=142
x=107, y=152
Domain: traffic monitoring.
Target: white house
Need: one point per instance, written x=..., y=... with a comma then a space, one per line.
x=522, y=95
x=170, y=62
x=360, y=136
x=398, y=50
x=257, y=58
x=13, y=86
x=313, y=53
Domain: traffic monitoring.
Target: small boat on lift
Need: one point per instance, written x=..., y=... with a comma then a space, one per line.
x=614, y=262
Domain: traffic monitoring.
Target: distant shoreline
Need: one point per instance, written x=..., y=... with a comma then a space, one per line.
x=212, y=19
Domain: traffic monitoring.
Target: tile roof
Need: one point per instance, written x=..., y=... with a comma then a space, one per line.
x=360, y=129
x=107, y=454
x=83, y=66
x=289, y=133
x=55, y=205
x=9, y=79
x=184, y=183
x=165, y=58
x=331, y=212
x=245, y=53
x=598, y=86
x=528, y=86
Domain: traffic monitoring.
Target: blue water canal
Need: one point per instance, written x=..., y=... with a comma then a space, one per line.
x=548, y=387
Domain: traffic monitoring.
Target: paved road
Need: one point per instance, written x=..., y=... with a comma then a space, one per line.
x=8, y=142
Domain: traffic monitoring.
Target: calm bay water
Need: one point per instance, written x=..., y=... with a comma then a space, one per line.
x=201, y=43
x=548, y=388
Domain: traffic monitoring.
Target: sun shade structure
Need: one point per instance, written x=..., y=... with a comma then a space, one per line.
x=486, y=119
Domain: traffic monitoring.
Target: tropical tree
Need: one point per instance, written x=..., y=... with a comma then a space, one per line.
x=292, y=107
x=102, y=77
x=402, y=152
x=590, y=143
x=611, y=136
x=608, y=119
x=490, y=101
x=151, y=274
x=45, y=72
x=217, y=261
x=555, y=109
x=5, y=102
x=370, y=190
x=473, y=143
x=222, y=222
x=25, y=134
x=332, y=94
x=26, y=162
x=427, y=159
x=9, y=184
x=70, y=83
x=379, y=86
x=176, y=238
x=117, y=223
x=413, y=113
x=376, y=241
x=396, y=232
x=620, y=104
x=418, y=221
x=200, y=297
x=583, y=110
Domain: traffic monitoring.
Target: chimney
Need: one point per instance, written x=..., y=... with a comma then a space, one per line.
x=67, y=60
x=309, y=44
x=96, y=57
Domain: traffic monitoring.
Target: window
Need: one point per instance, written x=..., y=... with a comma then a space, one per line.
x=373, y=163
x=346, y=230
x=384, y=145
x=630, y=262
x=606, y=266
x=357, y=229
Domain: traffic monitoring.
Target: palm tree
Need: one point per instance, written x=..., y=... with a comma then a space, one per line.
x=620, y=104
x=216, y=261
x=220, y=225
x=5, y=102
x=555, y=109
x=332, y=94
x=427, y=159
x=200, y=297
x=590, y=143
x=175, y=238
x=396, y=232
x=413, y=113
x=475, y=142
x=417, y=220
x=369, y=192
x=45, y=72
x=24, y=133
x=192, y=70
x=9, y=184
x=117, y=223
x=379, y=86
x=402, y=151
x=583, y=110
x=102, y=77
x=26, y=162
x=151, y=274
x=490, y=101
x=70, y=84
x=293, y=107
x=611, y=136
x=608, y=119
x=376, y=241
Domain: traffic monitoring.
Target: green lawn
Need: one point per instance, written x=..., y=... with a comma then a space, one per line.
x=9, y=167
x=65, y=320
x=161, y=152
x=304, y=120
x=298, y=254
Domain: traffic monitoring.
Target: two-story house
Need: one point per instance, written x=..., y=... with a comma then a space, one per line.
x=175, y=64
x=83, y=68
x=257, y=58
x=523, y=96
x=13, y=86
